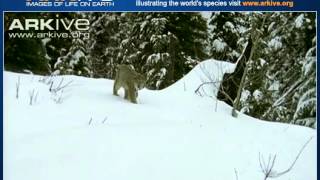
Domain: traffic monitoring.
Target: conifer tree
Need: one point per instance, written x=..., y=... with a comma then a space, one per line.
x=164, y=46
x=227, y=35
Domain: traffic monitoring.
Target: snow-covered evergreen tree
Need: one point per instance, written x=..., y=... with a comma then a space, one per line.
x=305, y=98
x=74, y=59
x=57, y=47
x=164, y=46
x=281, y=80
x=227, y=37
x=106, y=32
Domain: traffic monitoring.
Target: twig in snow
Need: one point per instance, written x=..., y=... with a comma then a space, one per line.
x=50, y=88
x=17, y=88
x=236, y=173
x=47, y=79
x=60, y=86
x=33, y=95
x=267, y=169
x=58, y=98
x=90, y=121
x=104, y=120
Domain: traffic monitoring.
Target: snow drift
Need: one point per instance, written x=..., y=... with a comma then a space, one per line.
x=83, y=132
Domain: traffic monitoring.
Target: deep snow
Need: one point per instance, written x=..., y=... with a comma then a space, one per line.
x=172, y=134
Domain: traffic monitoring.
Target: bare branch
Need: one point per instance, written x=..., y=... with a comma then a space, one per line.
x=60, y=86
x=211, y=80
x=293, y=163
x=268, y=170
x=197, y=91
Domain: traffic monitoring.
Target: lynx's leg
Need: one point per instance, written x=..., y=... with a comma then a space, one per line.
x=116, y=85
x=126, y=94
x=115, y=88
x=132, y=92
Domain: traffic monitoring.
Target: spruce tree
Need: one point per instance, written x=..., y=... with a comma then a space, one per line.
x=227, y=35
x=106, y=33
x=164, y=46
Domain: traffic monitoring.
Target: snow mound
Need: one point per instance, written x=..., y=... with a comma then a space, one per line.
x=68, y=127
x=208, y=74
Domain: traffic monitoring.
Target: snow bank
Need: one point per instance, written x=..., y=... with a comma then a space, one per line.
x=170, y=135
x=210, y=71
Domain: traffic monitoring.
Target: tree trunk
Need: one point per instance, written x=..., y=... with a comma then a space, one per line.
x=255, y=35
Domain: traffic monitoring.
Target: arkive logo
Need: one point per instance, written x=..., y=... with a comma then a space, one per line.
x=50, y=24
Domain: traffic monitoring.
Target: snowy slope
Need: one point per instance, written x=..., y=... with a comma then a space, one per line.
x=172, y=134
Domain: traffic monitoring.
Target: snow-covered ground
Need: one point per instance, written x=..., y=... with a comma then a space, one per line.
x=83, y=132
